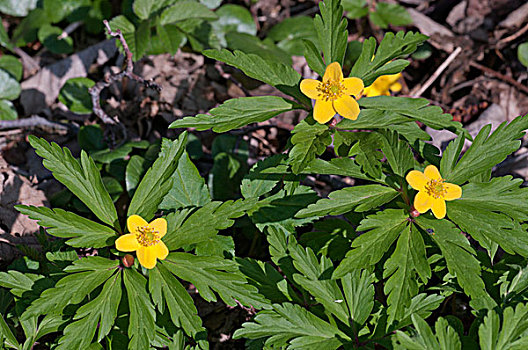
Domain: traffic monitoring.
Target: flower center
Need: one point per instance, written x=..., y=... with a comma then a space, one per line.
x=331, y=89
x=435, y=188
x=147, y=236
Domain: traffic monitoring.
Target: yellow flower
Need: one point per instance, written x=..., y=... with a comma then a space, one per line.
x=433, y=191
x=145, y=239
x=332, y=95
x=382, y=85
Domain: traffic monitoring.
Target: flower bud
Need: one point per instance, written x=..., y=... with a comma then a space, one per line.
x=128, y=260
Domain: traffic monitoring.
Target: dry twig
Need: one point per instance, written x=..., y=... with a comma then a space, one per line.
x=418, y=92
x=500, y=76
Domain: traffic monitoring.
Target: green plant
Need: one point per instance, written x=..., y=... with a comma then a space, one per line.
x=369, y=265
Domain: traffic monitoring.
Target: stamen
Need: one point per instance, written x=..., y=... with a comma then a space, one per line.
x=331, y=89
x=435, y=188
x=147, y=236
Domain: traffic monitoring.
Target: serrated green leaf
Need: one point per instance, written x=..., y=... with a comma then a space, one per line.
x=212, y=273
x=387, y=13
x=81, y=178
x=204, y=222
x=364, y=146
x=188, y=187
x=99, y=314
x=289, y=322
x=372, y=63
x=279, y=75
x=422, y=305
x=18, y=282
x=401, y=286
x=445, y=338
x=236, y=113
x=279, y=210
x=458, y=254
x=216, y=246
x=488, y=150
x=309, y=139
x=337, y=166
x=265, y=277
x=6, y=335
x=485, y=211
x=383, y=229
x=362, y=198
x=355, y=8
x=508, y=334
x=9, y=88
x=251, y=44
x=74, y=95
x=313, y=57
x=358, y=288
x=157, y=181
x=165, y=289
x=141, y=328
x=145, y=8
x=83, y=233
x=402, y=109
x=331, y=30
x=262, y=177
x=451, y=154
x=398, y=154
x=86, y=275
x=233, y=18
x=184, y=10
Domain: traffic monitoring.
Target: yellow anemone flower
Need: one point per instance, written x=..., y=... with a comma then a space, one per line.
x=433, y=191
x=332, y=95
x=144, y=239
x=382, y=85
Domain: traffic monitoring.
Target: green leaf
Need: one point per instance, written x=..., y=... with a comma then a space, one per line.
x=99, y=313
x=337, y=166
x=4, y=38
x=137, y=167
x=445, y=338
x=383, y=229
x=289, y=323
x=251, y=44
x=171, y=38
x=387, y=13
x=17, y=8
x=48, y=35
x=488, y=150
x=210, y=273
x=402, y=110
x=372, y=63
x=6, y=335
x=188, y=187
x=236, y=113
x=364, y=146
x=331, y=30
x=86, y=275
x=226, y=175
x=7, y=110
x=291, y=33
x=262, y=177
x=233, y=18
x=458, y=254
x=136, y=38
x=265, y=277
x=358, y=288
x=91, y=138
x=165, y=289
x=204, y=223
x=309, y=139
x=355, y=8
x=362, y=198
x=522, y=53
x=157, y=181
x=401, y=286
x=184, y=10
x=81, y=178
x=422, y=305
x=108, y=155
x=83, y=233
x=9, y=88
x=74, y=95
x=216, y=246
x=279, y=210
x=451, y=154
x=12, y=65
x=279, y=75
x=17, y=282
x=398, y=153
x=313, y=57
x=145, y=8
x=506, y=335
x=141, y=327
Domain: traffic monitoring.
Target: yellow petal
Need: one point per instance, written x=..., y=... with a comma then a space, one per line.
x=353, y=86
x=392, y=78
x=159, y=225
x=371, y=91
x=127, y=243
x=439, y=208
x=452, y=191
x=323, y=111
x=135, y=221
x=147, y=256
x=396, y=87
x=422, y=202
x=432, y=172
x=416, y=179
x=309, y=88
x=160, y=250
x=347, y=107
x=333, y=71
